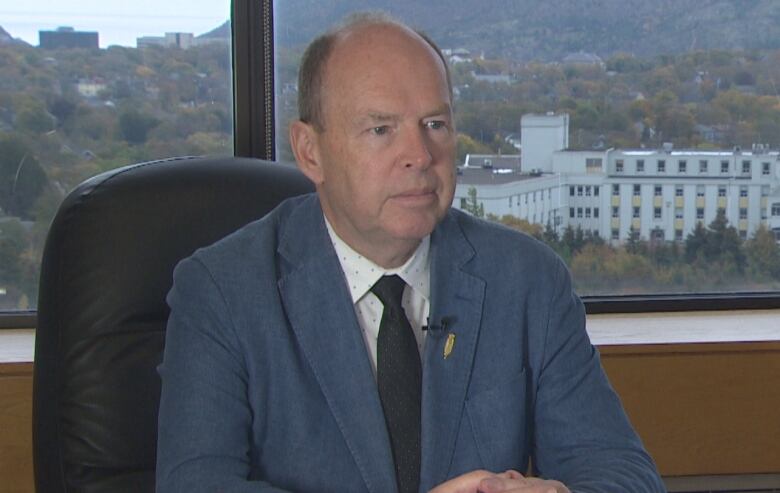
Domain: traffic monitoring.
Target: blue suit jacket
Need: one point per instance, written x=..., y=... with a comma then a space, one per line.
x=267, y=383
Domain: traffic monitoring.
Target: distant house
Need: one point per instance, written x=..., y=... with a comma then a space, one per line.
x=67, y=37
x=179, y=40
x=492, y=78
x=583, y=58
x=90, y=88
x=457, y=55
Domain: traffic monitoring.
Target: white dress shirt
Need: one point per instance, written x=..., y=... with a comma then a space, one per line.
x=361, y=274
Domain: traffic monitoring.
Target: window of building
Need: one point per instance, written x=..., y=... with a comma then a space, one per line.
x=637, y=190
x=656, y=213
x=571, y=191
x=678, y=235
x=596, y=190
x=615, y=234
x=615, y=211
x=619, y=166
x=724, y=166
x=534, y=197
x=587, y=212
x=743, y=191
x=743, y=234
x=657, y=190
x=678, y=212
x=510, y=201
x=765, y=168
x=635, y=212
x=615, y=190
x=721, y=190
x=776, y=209
x=463, y=203
x=700, y=190
x=587, y=191
x=743, y=213
x=678, y=191
x=579, y=191
x=746, y=167
x=596, y=213
x=763, y=213
x=579, y=212
x=700, y=213
x=682, y=166
x=640, y=165
x=703, y=166
x=549, y=193
x=571, y=212
x=658, y=234
x=661, y=166
x=764, y=190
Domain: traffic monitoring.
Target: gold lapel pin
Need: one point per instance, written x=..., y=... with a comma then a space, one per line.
x=449, y=345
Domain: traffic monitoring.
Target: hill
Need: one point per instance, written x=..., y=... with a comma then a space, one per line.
x=522, y=30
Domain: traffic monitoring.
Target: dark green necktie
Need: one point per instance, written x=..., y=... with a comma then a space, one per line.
x=399, y=378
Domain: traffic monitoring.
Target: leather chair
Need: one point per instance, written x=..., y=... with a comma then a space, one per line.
x=107, y=266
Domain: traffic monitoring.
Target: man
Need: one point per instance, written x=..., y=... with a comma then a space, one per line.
x=287, y=366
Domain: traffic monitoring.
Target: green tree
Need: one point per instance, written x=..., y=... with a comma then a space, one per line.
x=763, y=254
x=135, y=125
x=473, y=206
x=21, y=177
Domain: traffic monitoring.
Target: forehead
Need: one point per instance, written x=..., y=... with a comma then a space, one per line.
x=378, y=60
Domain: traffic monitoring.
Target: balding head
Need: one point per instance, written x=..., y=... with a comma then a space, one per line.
x=315, y=59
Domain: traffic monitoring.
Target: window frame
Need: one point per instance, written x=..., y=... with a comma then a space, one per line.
x=254, y=135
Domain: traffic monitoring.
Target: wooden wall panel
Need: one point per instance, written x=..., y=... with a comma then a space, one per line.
x=16, y=465
x=702, y=408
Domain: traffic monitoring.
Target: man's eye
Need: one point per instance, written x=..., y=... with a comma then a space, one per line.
x=436, y=125
x=384, y=129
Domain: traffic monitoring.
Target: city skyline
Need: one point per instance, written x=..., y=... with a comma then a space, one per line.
x=115, y=24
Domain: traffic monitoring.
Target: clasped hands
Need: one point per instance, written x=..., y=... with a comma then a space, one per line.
x=506, y=482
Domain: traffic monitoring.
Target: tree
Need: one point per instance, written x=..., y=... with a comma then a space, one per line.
x=21, y=177
x=472, y=206
x=135, y=125
x=763, y=254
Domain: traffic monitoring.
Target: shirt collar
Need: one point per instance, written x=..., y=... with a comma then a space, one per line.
x=362, y=273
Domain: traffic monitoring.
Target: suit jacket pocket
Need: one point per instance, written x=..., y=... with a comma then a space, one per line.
x=498, y=421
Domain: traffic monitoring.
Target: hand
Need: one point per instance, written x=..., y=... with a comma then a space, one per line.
x=506, y=482
x=514, y=482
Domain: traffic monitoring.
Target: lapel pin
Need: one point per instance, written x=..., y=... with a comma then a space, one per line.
x=449, y=345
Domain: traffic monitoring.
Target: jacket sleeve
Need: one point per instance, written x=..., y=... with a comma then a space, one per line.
x=582, y=435
x=205, y=419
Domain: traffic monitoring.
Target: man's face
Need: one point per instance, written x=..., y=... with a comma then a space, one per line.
x=387, y=150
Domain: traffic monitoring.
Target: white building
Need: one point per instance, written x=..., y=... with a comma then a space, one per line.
x=661, y=193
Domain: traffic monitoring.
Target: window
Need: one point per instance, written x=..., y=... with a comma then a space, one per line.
x=776, y=209
x=658, y=234
x=571, y=191
x=703, y=166
x=724, y=166
x=587, y=191
x=678, y=213
x=743, y=191
x=745, y=167
x=765, y=169
x=72, y=113
x=764, y=190
x=616, y=212
x=579, y=212
x=587, y=212
x=700, y=190
x=640, y=165
x=619, y=166
x=682, y=166
x=571, y=212
x=743, y=213
x=678, y=235
x=657, y=191
x=637, y=190
x=656, y=213
x=596, y=190
x=721, y=190
x=700, y=213
x=596, y=214
x=678, y=191
x=615, y=234
x=534, y=197
x=510, y=201
x=661, y=166
x=763, y=213
x=635, y=212
x=615, y=190
x=579, y=191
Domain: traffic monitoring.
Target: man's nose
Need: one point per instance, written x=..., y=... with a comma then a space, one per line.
x=416, y=150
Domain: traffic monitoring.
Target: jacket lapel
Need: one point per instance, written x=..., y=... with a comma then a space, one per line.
x=323, y=319
x=456, y=308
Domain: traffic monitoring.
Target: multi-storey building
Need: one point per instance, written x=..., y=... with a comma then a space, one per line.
x=658, y=193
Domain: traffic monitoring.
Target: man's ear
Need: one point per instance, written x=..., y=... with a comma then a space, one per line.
x=304, y=141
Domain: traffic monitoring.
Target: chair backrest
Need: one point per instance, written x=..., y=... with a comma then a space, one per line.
x=107, y=266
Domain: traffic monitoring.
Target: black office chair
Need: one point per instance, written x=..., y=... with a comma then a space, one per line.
x=106, y=269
